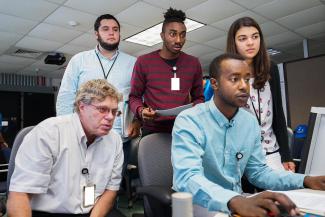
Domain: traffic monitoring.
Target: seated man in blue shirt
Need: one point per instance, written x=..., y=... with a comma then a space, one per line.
x=215, y=143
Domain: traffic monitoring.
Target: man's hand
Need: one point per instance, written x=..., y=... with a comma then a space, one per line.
x=315, y=182
x=262, y=204
x=148, y=114
x=134, y=129
x=289, y=166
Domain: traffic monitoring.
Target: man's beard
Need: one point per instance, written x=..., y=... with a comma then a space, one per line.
x=106, y=46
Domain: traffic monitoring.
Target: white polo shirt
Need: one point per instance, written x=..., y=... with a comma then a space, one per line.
x=51, y=157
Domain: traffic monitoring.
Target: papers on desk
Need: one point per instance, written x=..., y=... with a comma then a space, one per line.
x=173, y=111
x=309, y=202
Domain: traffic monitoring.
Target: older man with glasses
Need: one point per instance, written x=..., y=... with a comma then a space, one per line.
x=71, y=165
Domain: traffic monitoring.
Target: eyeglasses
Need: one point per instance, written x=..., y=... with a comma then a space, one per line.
x=105, y=110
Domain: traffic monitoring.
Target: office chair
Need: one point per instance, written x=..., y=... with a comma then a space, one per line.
x=131, y=171
x=155, y=170
x=17, y=142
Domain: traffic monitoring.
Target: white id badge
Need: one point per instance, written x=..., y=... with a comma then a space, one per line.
x=175, y=83
x=89, y=195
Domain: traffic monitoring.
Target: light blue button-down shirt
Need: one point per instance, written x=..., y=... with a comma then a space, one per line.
x=85, y=66
x=204, y=148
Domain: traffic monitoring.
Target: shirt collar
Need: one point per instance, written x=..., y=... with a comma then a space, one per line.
x=221, y=119
x=103, y=57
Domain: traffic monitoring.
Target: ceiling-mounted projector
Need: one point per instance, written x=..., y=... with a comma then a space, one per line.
x=55, y=58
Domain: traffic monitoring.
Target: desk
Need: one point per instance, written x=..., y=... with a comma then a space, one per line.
x=308, y=200
x=203, y=212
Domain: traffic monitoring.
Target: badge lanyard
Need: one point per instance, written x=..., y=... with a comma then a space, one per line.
x=106, y=75
x=259, y=108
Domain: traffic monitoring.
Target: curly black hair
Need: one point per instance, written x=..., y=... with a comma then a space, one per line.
x=173, y=15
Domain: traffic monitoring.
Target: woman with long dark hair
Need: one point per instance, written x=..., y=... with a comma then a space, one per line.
x=246, y=38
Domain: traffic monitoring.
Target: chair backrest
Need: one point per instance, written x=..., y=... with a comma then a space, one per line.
x=18, y=140
x=290, y=138
x=154, y=160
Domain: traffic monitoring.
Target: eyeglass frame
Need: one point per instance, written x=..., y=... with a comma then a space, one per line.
x=104, y=110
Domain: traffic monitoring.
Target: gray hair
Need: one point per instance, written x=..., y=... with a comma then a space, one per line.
x=96, y=90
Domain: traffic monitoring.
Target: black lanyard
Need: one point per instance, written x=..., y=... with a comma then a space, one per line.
x=106, y=75
x=259, y=107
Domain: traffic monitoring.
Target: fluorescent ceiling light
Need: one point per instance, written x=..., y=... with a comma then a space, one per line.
x=273, y=52
x=151, y=36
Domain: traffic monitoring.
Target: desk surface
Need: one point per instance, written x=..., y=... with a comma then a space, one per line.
x=203, y=212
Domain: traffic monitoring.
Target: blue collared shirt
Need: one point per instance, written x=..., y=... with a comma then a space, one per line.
x=85, y=66
x=204, y=148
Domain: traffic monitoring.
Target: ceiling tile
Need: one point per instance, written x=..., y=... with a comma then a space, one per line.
x=204, y=34
x=199, y=50
x=38, y=44
x=141, y=14
x=7, y=40
x=85, y=40
x=219, y=43
x=16, y=60
x=57, y=1
x=129, y=30
x=251, y=3
x=179, y=4
x=145, y=51
x=212, y=11
x=71, y=49
x=99, y=7
x=63, y=15
x=54, y=33
x=282, y=38
x=15, y=24
x=34, y=10
x=272, y=28
x=312, y=30
x=130, y=48
x=281, y=8
x=226, y=23
x=310, y=16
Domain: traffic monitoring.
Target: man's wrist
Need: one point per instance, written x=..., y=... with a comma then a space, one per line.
x=139, y=111
x=231, y=203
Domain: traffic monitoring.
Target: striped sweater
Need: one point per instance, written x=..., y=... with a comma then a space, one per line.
x=151, y=86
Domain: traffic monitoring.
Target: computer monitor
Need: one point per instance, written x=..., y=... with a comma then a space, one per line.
x=313, y=155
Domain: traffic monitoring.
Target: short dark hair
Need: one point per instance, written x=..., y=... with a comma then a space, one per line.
x=261, y=61
x=215, y=65
x=173, y=15
x=104, y=17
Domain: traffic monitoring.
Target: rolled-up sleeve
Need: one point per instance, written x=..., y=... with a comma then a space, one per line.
x=187, y=152
x=33, y=163
x=116, y=177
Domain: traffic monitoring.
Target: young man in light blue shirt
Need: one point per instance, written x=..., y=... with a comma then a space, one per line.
x=103, y=62
x=214, y=144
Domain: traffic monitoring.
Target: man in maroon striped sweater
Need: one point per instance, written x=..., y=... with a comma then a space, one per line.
x=165, y=78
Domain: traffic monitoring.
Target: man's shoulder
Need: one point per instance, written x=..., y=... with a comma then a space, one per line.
x=195, y=111
x=83, y=54
x=153, y=54
x=62, y=120
x=189, y=57
x=247, y=117
x=127, y=56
